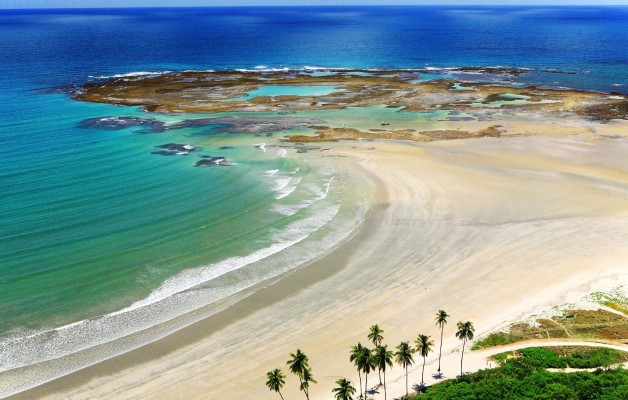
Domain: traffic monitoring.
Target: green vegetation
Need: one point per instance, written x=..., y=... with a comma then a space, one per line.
x=403, y=357
x=382, y=358
x=567, y=356
x=423, y=347
x=355, y=357
x=275, y=380
x=521, y=379
x=441, y=320
x=299, y=365
x=376, y=335
x=344, y=390
x=573, y=324
x=522, y=374
x=616, y=300
x=465, y=332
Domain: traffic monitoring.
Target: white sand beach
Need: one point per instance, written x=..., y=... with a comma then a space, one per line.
x=487, y=229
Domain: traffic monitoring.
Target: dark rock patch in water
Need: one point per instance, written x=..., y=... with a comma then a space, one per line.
x=116, y=123
x=188, y=148
x=209, y=161
x=255, y=125
x=175, y=149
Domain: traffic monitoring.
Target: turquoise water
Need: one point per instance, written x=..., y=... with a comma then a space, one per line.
x=102, y=239
x=105, y=246
x=458, y=86
x=287, y=90
x=517, y=102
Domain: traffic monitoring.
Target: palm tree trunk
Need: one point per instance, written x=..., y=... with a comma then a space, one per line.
x=307, y=395
x=379, y=371
x=462, y=356
x=442, y=328
x=281, y=395
x=406, y=380
x=366, y=384
x=423, y=372
x=304, y=391
x=384, y=384
x=360, y=377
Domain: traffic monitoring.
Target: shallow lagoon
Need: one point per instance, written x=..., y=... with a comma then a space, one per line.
x=281, y=90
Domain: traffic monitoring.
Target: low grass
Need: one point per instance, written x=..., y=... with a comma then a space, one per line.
x=616, y=300
x=572, y=324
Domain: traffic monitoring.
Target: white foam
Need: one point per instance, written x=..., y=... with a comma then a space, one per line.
x=36, y=347
x=131, y=74
x=283, y=69
x=285, y=210
x=288, y=189
x=271, y=171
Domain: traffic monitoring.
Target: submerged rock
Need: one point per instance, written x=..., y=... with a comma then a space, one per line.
x=175, y=149
x=164, y=153
x=178, y=147
x=209, y=161
x=116, y=123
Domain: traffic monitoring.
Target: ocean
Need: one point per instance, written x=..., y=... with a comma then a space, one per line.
x=105, y=246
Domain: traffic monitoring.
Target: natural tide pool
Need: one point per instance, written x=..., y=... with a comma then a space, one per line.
x=287, y=90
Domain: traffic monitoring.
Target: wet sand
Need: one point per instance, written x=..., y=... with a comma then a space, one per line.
x=487, y=229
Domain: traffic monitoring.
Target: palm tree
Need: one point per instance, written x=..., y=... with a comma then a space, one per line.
x=275, y=380
x=344, y=391
x=366, y=362
x=356, y=352
x=305, y=382
x=441, y=320
x=464, y=333
x=298, y=364
x=423, y=346
x=376, y=336
x=403, y=357
x=383, y=357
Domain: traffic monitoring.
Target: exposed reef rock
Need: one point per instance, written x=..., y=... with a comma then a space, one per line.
x=604, y=112
x=225, y=91
x=326, y=134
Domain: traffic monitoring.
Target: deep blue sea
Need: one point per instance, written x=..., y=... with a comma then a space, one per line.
x=101, y=240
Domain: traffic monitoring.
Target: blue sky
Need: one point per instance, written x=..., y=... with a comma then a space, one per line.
x=188, y=3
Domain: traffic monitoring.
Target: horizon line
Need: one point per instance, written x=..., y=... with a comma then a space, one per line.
x=308, y=6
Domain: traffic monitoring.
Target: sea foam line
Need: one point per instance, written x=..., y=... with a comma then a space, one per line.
x=16, y=352
x=131, y=74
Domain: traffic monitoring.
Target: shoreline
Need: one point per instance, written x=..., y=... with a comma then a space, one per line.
x=241, y=304
x=440, y=235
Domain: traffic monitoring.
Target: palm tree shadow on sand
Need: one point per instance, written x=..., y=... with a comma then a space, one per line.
x=418, y=387
x=438, y=375
x=373, y=390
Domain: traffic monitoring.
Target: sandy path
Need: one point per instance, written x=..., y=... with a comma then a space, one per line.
x=487, y=229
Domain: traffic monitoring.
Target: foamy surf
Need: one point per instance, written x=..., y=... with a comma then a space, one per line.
x=51, y=344
x=190, y=292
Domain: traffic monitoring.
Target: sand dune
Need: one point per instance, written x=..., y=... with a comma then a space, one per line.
x=487, y=229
